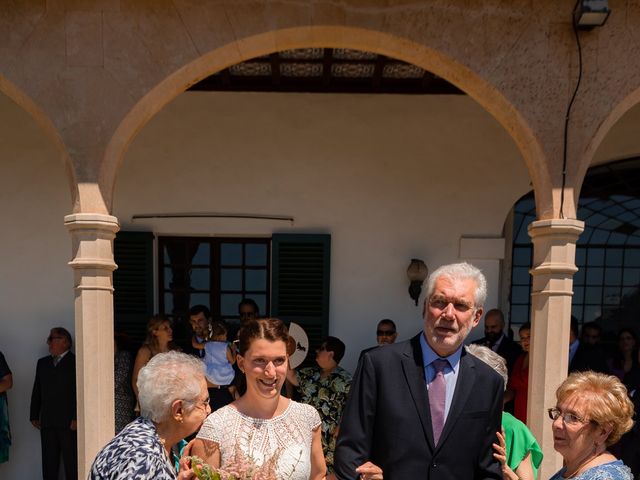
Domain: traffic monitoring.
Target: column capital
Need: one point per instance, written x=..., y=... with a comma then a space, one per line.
x=557, y=227
x=554, y=255
x=92, y=239
x=91, y=221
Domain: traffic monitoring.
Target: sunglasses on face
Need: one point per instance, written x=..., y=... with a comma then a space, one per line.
x=385, y=333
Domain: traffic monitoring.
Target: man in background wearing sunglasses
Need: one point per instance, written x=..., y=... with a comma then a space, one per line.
x=386, y=332
x=53, y=406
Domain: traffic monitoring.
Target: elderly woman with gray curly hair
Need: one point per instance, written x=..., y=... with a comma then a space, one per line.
x=174, y=401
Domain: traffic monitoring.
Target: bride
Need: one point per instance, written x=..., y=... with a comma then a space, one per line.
x=263, y=427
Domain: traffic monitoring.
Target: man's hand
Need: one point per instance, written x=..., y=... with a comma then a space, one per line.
x=369, y=471
x=74, y=425
x=36, y=423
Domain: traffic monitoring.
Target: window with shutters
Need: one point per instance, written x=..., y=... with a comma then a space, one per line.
x=287, y=275
x=301, y=281
x=215, y=272
x=133, y=283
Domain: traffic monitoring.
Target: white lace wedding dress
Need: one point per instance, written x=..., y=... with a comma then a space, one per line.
x=286, y=437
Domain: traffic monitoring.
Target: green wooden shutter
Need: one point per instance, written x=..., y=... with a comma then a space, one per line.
x=300, y=284
x=133, y=283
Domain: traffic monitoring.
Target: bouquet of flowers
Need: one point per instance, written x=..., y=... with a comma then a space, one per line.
x=240, y=467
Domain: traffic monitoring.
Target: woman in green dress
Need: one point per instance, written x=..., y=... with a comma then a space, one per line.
x=517, y=450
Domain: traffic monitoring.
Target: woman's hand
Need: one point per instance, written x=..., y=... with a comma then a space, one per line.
x=369, y=471
x=186, y=472
x=500, y=454
x=500, y=449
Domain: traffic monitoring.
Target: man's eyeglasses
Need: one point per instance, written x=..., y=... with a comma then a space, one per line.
x=247, y=314
x=567, y=417
x=51, y=338
x=442, y=304
x=385, y=333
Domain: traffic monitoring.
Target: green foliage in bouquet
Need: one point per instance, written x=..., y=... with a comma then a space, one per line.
x=239, y=468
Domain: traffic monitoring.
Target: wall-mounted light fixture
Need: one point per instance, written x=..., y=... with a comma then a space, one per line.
x=417, y=272
x=591, y=13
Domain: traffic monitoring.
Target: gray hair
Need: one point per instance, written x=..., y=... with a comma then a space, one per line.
x=491, y=358
x=460, y=271
x=166, y=378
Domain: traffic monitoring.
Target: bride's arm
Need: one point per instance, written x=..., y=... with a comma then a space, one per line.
x=208, y=451
x=318, y=467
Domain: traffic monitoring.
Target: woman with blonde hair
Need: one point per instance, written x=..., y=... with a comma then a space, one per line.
x=159, y=340
x=592, y=412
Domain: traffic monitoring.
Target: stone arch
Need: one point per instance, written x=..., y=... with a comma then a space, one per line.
x=615, y=114
x=45, y=123
x=488, y=96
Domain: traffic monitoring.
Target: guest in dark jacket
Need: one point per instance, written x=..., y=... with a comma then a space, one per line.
x=624, y=362
x=53, y=406
x=585, y=355
x=6, y=382
x=497, y=340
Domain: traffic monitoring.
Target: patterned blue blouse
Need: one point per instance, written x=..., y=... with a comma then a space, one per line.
x=615, y=470
x=136, y=453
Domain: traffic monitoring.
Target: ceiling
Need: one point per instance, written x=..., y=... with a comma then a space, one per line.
x=326, y=70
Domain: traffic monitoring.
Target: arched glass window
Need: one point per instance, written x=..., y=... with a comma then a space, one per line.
x=606, y=286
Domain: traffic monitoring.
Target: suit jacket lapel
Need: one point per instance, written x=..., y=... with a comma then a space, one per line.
x=414, y=374
x=464, y=387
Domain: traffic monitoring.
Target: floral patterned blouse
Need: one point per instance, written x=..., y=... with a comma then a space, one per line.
x=328, y=395
x=136, y=453
x=615, y=470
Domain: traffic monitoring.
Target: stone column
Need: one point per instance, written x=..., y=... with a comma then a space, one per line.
x=92, y=239
x=554, y=252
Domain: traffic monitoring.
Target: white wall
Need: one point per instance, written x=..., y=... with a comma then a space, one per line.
x=36, y=285
x=389, y=177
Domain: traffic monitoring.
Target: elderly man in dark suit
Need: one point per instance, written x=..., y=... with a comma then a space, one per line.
x=425, y=408
x=53, y=406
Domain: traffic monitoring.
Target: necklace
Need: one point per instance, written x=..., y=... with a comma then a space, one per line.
x=591, y=457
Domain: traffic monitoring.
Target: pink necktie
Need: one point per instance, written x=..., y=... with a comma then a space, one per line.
x=437, y=398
